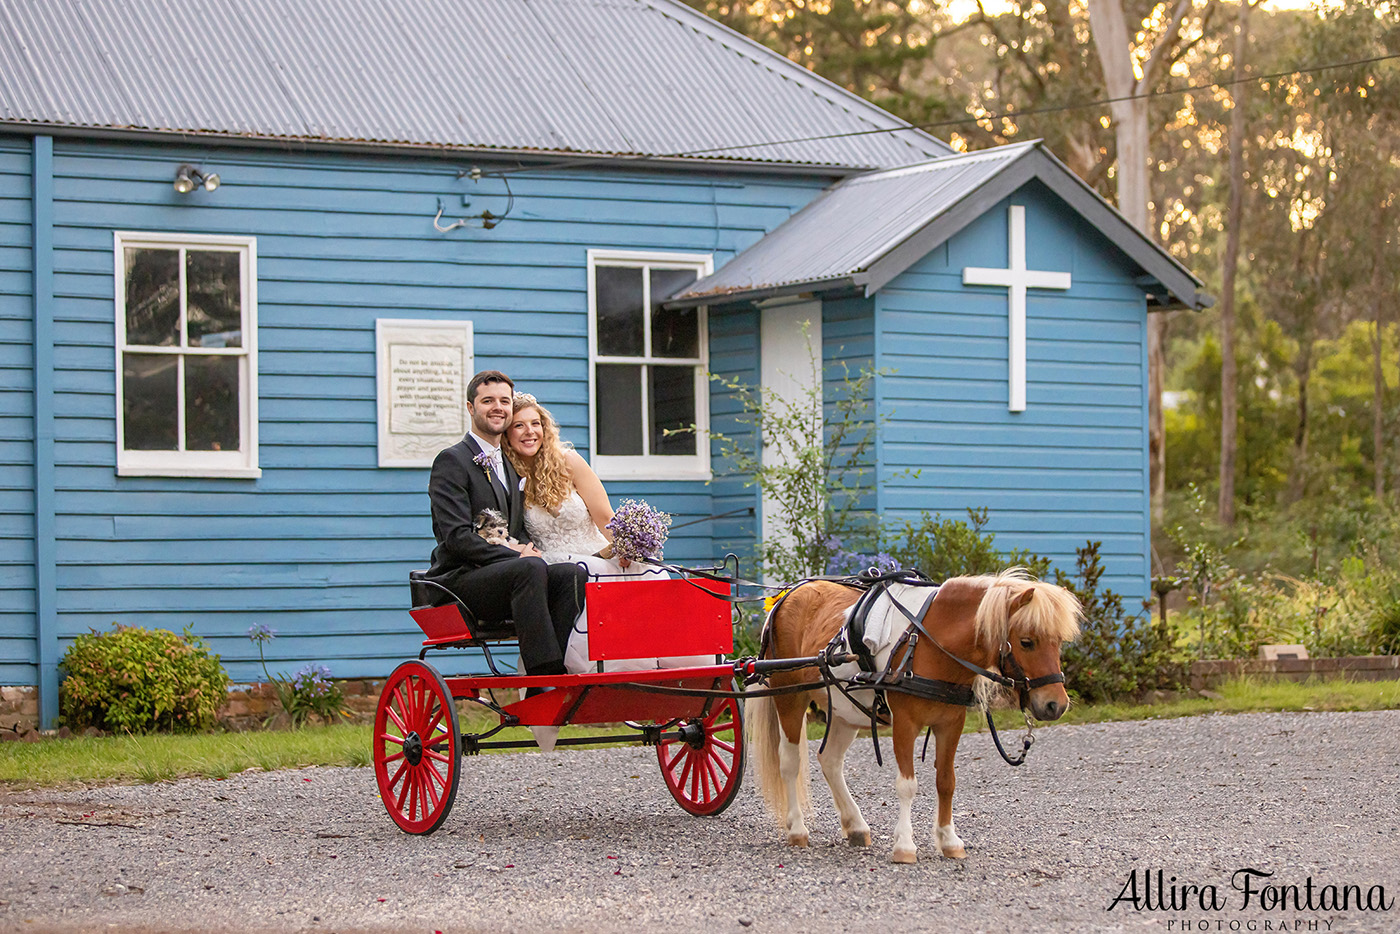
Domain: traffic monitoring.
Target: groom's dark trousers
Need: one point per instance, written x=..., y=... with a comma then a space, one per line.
x=492, y=580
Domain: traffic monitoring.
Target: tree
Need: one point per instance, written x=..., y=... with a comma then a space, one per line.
x=1229, y=423
x=879, y=49
x=1131, y=69
x=1361, y=104
x=1042, y=70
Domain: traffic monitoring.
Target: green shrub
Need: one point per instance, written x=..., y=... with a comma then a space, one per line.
x=138, y=680
x=748, y=623
x=944, y=548
x=1344, y=600
x=1116, y=655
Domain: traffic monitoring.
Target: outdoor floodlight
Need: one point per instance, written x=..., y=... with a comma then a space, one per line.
x=187, y=177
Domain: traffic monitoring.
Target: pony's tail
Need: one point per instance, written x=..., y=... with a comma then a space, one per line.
x=763, y=734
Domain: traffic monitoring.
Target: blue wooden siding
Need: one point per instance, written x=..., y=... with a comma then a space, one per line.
x=18, y=646
x=319, y=547
x=1072, y=467
x=734, y=356
x=848, y=347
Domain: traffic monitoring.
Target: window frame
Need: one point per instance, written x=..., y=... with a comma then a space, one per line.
x=242, y=463
x=650, y=466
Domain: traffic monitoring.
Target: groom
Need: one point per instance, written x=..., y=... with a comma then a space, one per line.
x=498, y=582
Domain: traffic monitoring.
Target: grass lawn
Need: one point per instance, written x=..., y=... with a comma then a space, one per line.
x=160, y=757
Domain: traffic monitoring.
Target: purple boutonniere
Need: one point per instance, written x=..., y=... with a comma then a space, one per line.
x=483, y=460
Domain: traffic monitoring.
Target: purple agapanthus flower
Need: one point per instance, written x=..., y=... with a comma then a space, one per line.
x=484, y=460
x=262, y=632
x=639, y=531
x=312, y=679
x=851, y=562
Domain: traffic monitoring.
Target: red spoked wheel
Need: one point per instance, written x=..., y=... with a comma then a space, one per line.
x=703, y=760
x=417, y=754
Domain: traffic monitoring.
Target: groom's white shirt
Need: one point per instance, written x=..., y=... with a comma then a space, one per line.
x=487, y=447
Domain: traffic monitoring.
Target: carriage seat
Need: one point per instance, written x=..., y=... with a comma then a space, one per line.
x=432, y=604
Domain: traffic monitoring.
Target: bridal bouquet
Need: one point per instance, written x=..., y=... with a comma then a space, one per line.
x=638, y=531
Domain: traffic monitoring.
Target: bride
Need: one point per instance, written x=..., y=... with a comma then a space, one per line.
x=566, y=514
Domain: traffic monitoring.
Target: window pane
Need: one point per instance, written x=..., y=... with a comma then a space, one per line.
x=211, y=403
x=672, y=408
x=619, y=409
x=214, y=304
x=149, y=401
x=673, y=333
x=619, y=297
x=152, y=297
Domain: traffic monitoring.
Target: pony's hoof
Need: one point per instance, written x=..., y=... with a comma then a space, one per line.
x=904, y=856
x=858, y=838
x=797, y=839
x=954, y=852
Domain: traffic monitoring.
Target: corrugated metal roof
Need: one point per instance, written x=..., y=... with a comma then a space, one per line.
x=649, y=78
x=852, y=225
x=868, y=228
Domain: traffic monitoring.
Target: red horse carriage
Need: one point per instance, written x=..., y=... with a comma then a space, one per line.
x=953, y=646
x=684, y=712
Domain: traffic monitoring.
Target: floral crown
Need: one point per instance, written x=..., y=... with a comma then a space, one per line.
x=523, y=399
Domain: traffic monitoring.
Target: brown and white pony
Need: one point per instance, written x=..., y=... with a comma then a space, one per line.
x=974, y=618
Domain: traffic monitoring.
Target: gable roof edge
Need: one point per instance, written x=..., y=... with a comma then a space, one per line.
x=1040, y=164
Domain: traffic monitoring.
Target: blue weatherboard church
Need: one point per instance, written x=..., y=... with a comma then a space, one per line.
x=244, y=266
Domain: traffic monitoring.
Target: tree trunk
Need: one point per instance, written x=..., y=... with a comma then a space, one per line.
x=1114, y=44
x=1378, y=395
x=1229, y=403
x=1297, y=473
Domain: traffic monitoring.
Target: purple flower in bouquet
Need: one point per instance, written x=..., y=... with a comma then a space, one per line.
x=638, y=530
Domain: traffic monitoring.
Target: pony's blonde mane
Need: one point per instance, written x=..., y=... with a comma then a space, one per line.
x=1052, y=612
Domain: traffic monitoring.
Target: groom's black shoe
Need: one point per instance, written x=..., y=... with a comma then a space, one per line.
x=557, y=668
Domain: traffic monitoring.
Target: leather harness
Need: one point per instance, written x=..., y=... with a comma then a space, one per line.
x=899, y=676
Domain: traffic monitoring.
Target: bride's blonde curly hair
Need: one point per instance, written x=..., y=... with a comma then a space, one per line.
x=547, y=478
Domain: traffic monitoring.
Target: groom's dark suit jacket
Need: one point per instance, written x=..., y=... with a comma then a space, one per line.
x=459, y=489
x=493, y=581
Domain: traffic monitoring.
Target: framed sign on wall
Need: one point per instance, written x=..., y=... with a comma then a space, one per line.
x=423, y=370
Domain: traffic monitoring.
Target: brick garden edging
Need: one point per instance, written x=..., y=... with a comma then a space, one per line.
x=248, y=706
x=19, y=708
x=1208, y=674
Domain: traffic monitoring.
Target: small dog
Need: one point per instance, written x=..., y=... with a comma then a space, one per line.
x=492, y=526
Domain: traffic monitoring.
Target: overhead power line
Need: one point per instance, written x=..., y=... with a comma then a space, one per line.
x=1099, y=102
x=956, y=121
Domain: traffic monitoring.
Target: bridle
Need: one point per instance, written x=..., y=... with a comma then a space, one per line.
x=1018, y=681
x=1012, y=676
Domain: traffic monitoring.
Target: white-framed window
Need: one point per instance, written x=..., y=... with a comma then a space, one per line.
x=648, y=367
x=186, y=369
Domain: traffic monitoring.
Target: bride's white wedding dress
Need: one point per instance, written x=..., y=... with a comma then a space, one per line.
x=572, y=537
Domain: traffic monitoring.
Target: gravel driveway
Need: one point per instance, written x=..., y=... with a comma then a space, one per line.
x=590, y=840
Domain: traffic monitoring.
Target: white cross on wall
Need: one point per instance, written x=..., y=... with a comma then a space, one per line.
x=1017, y=279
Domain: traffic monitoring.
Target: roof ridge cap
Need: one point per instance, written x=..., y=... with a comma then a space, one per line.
x=978, y=155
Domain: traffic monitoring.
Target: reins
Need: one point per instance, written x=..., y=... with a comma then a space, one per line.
x=842, y=649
